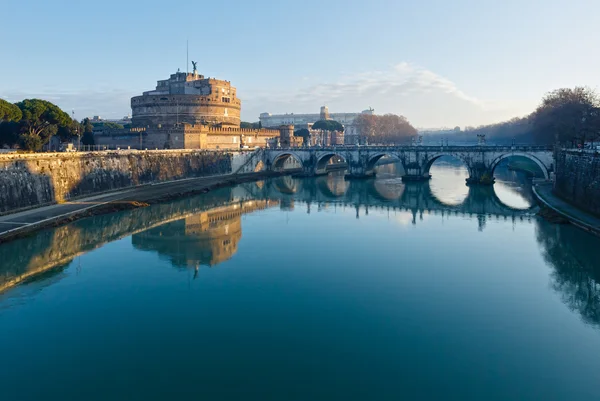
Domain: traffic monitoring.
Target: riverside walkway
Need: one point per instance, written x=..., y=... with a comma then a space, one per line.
x=21, y=223
x=576, y=216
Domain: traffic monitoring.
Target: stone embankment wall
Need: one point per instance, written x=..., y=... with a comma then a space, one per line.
x=578, y=179
x=30, y=180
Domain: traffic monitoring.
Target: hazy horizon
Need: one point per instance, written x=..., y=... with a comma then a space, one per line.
x=438, y=64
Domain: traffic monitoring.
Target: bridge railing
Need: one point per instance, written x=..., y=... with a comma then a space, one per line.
x=422, y=148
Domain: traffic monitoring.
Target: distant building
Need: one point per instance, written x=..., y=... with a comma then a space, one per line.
x=275, y=120
x=98, y=121
x=350, y=135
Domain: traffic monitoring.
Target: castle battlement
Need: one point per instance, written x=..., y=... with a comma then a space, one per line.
x=229, y=130
x=187, y=98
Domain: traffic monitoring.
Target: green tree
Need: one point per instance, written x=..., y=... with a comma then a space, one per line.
x=9, y=111
x=9, y=133
x=88, y=138
x=31, y=142
x=569, y=116
x=328, y=125
x=303, y=132
x=69, y=131
x=87, y=125
x=40, y=119
x=111, y=125
x=247, y=125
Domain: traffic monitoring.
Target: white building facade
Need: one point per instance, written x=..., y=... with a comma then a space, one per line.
x=269, y=120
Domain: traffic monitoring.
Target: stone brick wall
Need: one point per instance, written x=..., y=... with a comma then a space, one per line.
x=578, y=179
x=45, y=178
x=184, y=136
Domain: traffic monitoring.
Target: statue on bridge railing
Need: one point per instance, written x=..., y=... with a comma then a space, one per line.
x=418, y=141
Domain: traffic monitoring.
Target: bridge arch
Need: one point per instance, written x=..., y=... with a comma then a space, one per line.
x=432, y=159
x=374, y=159
x=278, y=161
x=324, y=158
x=545, y=169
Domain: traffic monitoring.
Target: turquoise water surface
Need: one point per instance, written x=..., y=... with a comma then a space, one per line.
x=308, y=289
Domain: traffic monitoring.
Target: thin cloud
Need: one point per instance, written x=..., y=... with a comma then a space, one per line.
x=423, y=96
x=403, y=76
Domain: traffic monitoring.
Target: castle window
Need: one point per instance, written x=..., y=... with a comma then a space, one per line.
x=225, y=99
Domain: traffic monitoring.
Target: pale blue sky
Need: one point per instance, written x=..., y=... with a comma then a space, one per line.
x=440, y=63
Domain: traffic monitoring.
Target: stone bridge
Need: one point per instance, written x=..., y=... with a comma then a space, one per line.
x=480, y=160
x=374, y=194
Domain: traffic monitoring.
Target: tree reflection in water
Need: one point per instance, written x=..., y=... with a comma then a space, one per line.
x=574, y=256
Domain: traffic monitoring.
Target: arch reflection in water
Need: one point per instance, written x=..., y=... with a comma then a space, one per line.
x=333, y=184
x=386, y=193
x=448, y=176
x=514, y=188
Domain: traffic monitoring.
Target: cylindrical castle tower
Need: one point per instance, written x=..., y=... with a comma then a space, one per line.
x=187, y=98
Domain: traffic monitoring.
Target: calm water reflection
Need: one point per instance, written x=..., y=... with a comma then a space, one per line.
x=303, y=289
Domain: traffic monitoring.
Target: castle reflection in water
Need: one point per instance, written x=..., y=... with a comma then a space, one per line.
x=206, y=238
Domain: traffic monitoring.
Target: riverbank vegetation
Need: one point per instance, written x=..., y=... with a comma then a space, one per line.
x=328, y=125
x=247, y=125
x=567, y=116
x=386, y=129
x=31, y=123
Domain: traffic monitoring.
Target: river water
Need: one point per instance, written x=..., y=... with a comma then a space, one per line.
x=308, y=289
